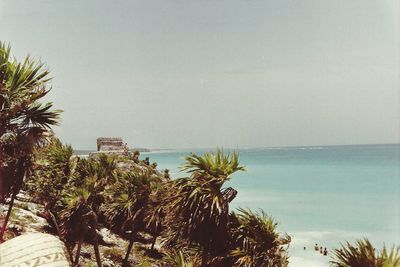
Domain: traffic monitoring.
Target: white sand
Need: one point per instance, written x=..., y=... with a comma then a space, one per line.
x=309, y=257
x=305, y=262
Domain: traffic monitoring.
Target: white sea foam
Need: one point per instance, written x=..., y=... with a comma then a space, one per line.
x=306, y=262
x=310, y=257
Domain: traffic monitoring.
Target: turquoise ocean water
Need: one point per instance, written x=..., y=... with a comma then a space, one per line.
x=323, y=195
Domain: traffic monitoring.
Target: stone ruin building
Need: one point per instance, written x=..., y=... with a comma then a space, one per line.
x=111, y=145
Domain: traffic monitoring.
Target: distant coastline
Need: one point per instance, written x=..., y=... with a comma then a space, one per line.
x=155, y=150
x=88, y=151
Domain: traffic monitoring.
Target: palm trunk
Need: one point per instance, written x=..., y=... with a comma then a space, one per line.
x=153, y=242
x=78, y=252
x=10, y=206
x=70, y=250
x=54, y=220
x=96, y=252
x=19, y=176
x=128, y=251
x=204, y=258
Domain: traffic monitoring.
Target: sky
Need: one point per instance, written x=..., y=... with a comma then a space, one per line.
x=208, y=73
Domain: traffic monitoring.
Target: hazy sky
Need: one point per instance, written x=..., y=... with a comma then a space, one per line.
x=206, y=73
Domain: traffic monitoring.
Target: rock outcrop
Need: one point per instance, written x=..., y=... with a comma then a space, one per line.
x=34, y=249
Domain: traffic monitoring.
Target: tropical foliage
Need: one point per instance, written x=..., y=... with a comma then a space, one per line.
x=191, y=213
x=256, y=240
x=364, y=254
x=78, y=219
x=127, y=203
x=202, y=205
x=46, y=183
x=24, y=121
x=131, y=197
x=178, y=259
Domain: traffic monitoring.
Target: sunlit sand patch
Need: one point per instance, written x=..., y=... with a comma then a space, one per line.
x=306, y=262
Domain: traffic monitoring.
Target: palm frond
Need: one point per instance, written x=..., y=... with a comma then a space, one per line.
x=126, y=198
x=256, y=241
x=361, y=254
x=178, y=259
x=213, y=164
x=364, y=254
x=41, y=115
x=200, y=202
x=391, y=259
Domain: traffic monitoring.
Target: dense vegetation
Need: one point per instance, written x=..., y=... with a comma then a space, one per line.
x=189, y=214
x=24, y=121
x=363, y=254
x=185, y=221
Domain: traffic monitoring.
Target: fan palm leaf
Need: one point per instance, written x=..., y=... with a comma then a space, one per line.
x=178, y=259
x=200, y=202
x=22, y=119
x=391, y=258
x=127, y=200
x=364, y=254
x=256, y=241
x=217, y=165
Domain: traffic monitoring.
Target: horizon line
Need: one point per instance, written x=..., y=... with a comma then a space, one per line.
x=248, y=148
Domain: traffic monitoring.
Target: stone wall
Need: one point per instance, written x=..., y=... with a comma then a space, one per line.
x=110, y=144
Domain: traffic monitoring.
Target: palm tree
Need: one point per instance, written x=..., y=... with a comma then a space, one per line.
x=126, y=204
x=154, y=224
x=83, y=196
x=255, y=241
x=364, y=254
x=77, y=220
x=103, y=166
x=52, y=171
x=392, y=259
x=101, y=171
x=24, y=122
x=202, y=205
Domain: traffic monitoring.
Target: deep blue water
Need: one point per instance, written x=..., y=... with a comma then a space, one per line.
x=318, y=194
